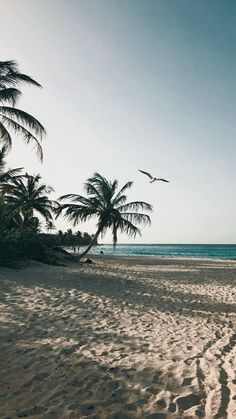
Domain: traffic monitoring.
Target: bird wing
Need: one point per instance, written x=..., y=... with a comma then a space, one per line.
x=163, y=180
x=146, y=173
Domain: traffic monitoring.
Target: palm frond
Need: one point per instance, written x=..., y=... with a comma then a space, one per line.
x=24, y=132
x=71, y=196
x=137, y=217
x=45, y=189
x=24, y=118
x=45, y=212
x=77, y=198
x=35, y=188
x=92, y=190
x=3, y=154
x=10, y=95
x=113, y=187
x=122, y=190
x=104, y=187
x=119, y=201
x=135, y=206
x=5, y=137
x=10, y=75
x=8, y=65
x=12, y=79
x=10, y=174
x=97, y=179
x=76, y=213
x=21, y=122
x=128, y=228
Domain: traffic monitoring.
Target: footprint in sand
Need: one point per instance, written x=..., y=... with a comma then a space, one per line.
x=187, y=381
x=156, y=377
x=172, y=408
x=190, y=400
x=161, y=403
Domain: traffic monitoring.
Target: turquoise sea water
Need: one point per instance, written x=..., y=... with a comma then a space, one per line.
x=222, y=251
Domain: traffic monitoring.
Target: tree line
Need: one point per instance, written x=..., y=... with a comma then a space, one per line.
x=68, y=238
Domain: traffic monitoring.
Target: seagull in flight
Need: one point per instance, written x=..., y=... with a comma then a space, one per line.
x=153, y=179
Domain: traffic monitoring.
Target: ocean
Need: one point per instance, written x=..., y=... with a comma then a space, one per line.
x=221, y=251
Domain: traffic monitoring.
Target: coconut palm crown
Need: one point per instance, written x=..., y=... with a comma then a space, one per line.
x=6, y=175
x=28, y=197
x=109, y=205
x=13, y=120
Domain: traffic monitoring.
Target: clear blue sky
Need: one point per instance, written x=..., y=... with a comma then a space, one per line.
x=134, y=84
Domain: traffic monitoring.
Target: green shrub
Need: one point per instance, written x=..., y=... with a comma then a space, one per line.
x=15, y=248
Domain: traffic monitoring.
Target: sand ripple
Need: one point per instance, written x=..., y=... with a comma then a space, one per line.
x=119, y=339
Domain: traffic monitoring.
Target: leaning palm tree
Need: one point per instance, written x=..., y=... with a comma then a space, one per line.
x=26, y=197
x=13, y=119
x=109, y=205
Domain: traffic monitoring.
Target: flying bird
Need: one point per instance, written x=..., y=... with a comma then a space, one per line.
x=153, y=179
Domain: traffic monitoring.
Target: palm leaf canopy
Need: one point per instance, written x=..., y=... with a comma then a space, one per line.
x=6, y=175
x=27, y=196
x=13, y=120
x=109, y=205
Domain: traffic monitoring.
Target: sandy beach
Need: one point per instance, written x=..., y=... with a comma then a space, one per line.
x=120, y=338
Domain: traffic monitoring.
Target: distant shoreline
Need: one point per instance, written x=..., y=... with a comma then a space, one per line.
x=147, y=258
x=167, y=244
x=186, y=251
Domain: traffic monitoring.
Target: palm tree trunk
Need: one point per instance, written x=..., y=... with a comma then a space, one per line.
x=94, y=239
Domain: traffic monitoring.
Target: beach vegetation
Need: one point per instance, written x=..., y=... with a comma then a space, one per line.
x=27, y=212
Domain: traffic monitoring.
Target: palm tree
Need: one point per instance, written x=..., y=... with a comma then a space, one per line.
x=109, y=206
x=78, y=236
x=6, y=175
x=11, y=118
x=60, y=236
x=50, y=226
x=28, y=196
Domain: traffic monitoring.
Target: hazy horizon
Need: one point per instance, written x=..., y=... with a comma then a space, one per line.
x=134, y=85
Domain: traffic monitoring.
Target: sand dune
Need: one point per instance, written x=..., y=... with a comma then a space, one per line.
x=121, y=338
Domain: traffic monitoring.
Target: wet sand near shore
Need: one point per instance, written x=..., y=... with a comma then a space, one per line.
x=124, y=337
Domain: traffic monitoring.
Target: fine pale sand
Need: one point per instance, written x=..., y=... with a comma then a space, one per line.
x=120, y=338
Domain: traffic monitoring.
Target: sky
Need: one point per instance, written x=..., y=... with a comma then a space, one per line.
x=131, y=85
